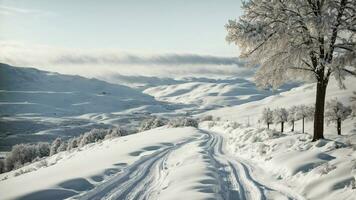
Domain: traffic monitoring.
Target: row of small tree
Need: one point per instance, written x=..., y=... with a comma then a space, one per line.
x=22, y=154
x=282, y=115
x=335, y=112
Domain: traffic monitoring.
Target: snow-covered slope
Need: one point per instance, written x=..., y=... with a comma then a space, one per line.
x=325, y=169
x=175, y=163
x=28, y=90
x=40, y=106
x=251, y=112
x=207, y=93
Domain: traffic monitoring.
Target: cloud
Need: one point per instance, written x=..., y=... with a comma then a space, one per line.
x=165, y=59
x=93, y=63
x=8, y=10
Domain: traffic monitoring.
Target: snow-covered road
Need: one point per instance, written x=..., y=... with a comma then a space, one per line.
x=225, y=177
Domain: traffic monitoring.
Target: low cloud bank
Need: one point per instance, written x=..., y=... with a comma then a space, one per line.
x=92, y=63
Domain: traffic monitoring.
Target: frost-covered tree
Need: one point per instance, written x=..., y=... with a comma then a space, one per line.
x=207, y=118
x=20, y=154
x=116, y=132
x=292, y=117
x=336, y=112
x=43, y=149
x=63, y=146
x=298, y=40
x=55, y=145
x=182, y=122
x=304, y=113
x=267, y=117
x=72, y=143
x=280, y=115
x=151, y=123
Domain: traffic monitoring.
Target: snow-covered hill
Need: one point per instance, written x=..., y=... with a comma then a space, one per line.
x=325, y=169
x=251, y=112
x=204, y=93
x=174, y=163
x=219, y=160
x=38, y=105
x=28, y=90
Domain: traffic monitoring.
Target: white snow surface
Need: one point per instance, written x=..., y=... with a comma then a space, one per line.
x=234, y=158
x=210, y=93
x=179, y=163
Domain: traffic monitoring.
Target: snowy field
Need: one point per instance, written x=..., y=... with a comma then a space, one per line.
x=172, y=163
x=232, y=157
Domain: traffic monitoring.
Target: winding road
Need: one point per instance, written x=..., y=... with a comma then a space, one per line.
x=147, y=178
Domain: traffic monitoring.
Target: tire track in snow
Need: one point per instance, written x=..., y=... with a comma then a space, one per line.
x=234, y=182
x=144, y=179
x=240, y=181
x=136, y=179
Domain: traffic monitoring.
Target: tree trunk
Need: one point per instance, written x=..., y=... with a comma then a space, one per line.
x=319, y=111
x=267, y=125
x=339, y=126
x=303, y=124
x=292, y=126
x=282, y=124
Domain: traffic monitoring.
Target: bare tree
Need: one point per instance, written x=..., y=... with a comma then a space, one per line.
x=280, y=115
x=336, y=112
x=298, y=39
x=267, y=116
x=304, y=113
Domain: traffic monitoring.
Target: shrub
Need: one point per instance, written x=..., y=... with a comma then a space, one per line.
x=92, y=136
x=26, y=153
x=152, y=123
x=63, y=146
x=115, y=132
x=182, y=122
x=55, y=145
x=72, y=143
x=43, y=149
x=19, y=155
x=207, y=118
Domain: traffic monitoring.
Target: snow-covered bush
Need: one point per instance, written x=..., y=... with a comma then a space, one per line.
x=55, y=145
x=63, y=146
x=92, y=136
x=26, y=153
x=151, y=123
x=115, y=132
x=43, y=149
x=267, y=116
x=207, y=118
x=73, y=143
x=280, y=115
x=19, y=155
x=182, y=121
x=336, y=112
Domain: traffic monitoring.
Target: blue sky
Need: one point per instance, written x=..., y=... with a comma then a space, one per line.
x=149, y=26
